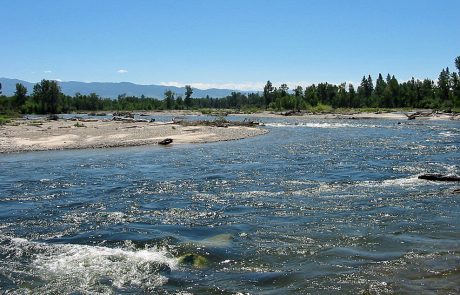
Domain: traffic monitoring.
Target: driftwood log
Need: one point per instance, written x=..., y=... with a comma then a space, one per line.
x=418, y=114
x=124, y=114
x=439, y=177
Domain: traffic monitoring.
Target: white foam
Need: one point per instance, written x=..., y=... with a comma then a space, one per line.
x=407, y=182
x=447, y=134
x=84, y=267
x=403, y=182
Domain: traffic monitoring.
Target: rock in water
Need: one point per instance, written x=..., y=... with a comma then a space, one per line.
x=193, y=259
x=439, y=177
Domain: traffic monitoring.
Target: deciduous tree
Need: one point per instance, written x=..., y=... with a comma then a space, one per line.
x=188, y=96
x=20, y=95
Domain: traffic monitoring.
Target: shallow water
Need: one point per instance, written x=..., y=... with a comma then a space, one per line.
x=314, y=206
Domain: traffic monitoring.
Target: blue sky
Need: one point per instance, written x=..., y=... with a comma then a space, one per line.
x=233, y=43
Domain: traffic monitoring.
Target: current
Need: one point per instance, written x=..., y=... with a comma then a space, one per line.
x=313, y=207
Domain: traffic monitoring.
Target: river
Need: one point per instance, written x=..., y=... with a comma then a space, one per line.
x=312, y=207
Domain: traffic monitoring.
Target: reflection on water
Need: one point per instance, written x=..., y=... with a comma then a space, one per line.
x=322, y=207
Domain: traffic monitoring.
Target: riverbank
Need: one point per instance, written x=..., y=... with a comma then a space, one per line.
x=424, y=115
x=26, y=135
x=350, y=114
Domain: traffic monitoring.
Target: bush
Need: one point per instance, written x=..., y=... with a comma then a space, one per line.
x=320, y=108
x=78, y=124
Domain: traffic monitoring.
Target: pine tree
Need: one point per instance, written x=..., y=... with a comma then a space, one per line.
x=443, y=85
x=352, y=96
x=457, y=63
x=380, y=87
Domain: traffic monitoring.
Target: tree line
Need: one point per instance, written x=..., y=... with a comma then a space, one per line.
x=386, y=92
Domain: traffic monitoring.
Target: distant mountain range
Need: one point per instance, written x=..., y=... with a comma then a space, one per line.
x=112, y=90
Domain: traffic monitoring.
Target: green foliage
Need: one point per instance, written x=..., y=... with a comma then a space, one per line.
x=268, y=93
x=47, y=96
x=188, y=96
x=7, y=116
x=250, y=110
x=20, y=96
x=206, y=111
x=322, y=97
x=4, y=120
x=169, y=99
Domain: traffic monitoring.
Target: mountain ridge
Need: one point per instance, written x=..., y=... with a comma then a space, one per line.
x=114, y=89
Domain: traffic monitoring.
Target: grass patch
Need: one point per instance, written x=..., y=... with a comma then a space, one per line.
x=250, y=110
x=7, y=117
x=79, y=125
x=320, y=108
x=4, y=120
x=35, y=123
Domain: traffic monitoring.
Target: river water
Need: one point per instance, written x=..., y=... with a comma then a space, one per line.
x=313, y=207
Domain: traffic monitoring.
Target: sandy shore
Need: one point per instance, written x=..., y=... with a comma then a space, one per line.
x=24, y=135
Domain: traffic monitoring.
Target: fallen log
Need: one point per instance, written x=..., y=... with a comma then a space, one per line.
x=439, y=177
x=418, y=114
x=165, y=141
x=218, y=123
x=292, y=113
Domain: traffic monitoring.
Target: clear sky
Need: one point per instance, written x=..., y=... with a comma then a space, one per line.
x=232, y=43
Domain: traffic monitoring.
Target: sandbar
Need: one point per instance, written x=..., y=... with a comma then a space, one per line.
x=26, y=135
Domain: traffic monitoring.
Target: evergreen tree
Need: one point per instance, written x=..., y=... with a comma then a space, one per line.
x=388, y=79
x=427, y=94
x=352, y=96
x=443, y=85
x=455, y=89
x=380, y=87
x=457, y=64
x=393, y=91
x=362, y=92
x=370, y=87
x=268, y=93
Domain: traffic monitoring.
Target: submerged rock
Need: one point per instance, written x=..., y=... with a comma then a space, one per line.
x=195, y=260
x=221, y=240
